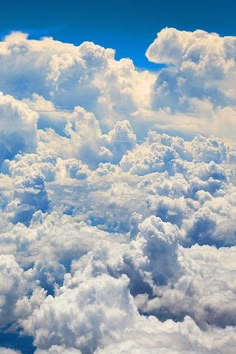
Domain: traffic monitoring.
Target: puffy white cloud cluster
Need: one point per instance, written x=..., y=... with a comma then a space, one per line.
x=198, y=80
x=117, y=197
x=69, y=76
x=203, y=63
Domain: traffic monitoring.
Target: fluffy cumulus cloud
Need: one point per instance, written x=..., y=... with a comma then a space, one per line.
x=118, y=197
x=198, y=81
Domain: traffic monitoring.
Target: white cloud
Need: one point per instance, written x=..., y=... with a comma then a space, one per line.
x=56, y=349
x=8, y=351
x=11, y=285
x=106, y=308
x=200, y=57
x=70, y=76
x=205, y=290
x=150, y=335
x=117, y=196
x=198, y=79
x=194, y=94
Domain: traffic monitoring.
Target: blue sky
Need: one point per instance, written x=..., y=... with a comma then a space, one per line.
x=129, y=26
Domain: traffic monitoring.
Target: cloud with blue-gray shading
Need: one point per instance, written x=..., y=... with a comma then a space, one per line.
x=118, y=197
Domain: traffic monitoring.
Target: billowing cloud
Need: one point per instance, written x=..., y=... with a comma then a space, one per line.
x=118, y=197
x=69, y=76
x=197, y=83
x=197, y=58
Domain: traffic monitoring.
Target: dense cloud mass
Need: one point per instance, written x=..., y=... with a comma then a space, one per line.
x=118, y=197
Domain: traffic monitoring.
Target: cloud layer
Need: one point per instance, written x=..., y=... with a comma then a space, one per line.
x=118, y=197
